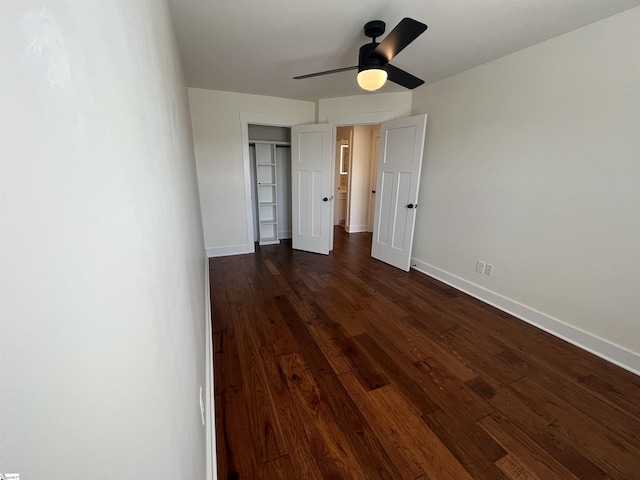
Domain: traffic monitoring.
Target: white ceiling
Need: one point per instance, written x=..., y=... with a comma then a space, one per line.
x=257, y=46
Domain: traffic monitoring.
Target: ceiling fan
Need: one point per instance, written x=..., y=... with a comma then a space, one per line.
x=373, y=61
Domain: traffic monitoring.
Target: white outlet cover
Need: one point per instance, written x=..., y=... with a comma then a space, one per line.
x=201, y=406
x=480, y=266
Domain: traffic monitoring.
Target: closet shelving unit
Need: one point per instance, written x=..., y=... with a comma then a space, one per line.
x=267, y=189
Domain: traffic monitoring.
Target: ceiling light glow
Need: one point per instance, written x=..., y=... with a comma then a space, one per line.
x=372, y=79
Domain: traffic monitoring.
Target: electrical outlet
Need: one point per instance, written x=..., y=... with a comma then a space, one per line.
x=488, y=269
x=201, y=405
x=480, y=266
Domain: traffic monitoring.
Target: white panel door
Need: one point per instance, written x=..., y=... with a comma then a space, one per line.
x=312, y=187
x=399, y=166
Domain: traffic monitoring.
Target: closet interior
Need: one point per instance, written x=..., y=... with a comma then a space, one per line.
x=270, y=158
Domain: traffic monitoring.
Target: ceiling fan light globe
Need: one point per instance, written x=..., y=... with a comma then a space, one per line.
x=372, y=79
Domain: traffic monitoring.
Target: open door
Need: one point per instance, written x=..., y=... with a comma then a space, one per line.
x=399, y=166
x=312, y=187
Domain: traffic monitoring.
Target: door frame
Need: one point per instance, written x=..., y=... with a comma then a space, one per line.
x=336, y=172
x=373, y=178
x=352, y=119
x=256, y=118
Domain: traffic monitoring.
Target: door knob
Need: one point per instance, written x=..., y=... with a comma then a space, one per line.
x=410, y=205
x=373, y=191
x=325, y=199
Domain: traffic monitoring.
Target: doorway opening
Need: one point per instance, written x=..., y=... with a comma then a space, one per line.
x=356, y=169
x=270, y=172
x=313, y=171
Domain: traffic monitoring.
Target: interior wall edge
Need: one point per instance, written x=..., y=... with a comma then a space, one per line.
x=591, y=343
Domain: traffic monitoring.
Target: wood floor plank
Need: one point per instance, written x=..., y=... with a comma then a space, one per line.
x=451, y=395
x=297, y=438
x=400, y=455
x=614, y=393
x=514, y=470
x=605, y=448
x=435, y=459
x=341, y=366
x=365, y=444
x=329, y=348
x=406, y=376
x=263, y=421
x=239, y=461
x=533, y=457
x=276, y=333
x=337, y=307
x=223, y=451
x=280, y=468
x=402, y=334
x=360, y=363
x=533, y=422
x=470, y=349
x=623, y=424
x=331, y=446
x=228, y=370
x=469, y=443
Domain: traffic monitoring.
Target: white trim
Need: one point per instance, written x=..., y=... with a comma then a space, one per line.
x=233, y=250
x=598, y=346
x=364, y=118
x=284, y=235
x=356, y=228
x=270, y=142
x=210, y=418
x=352, y=131
x=254, y=118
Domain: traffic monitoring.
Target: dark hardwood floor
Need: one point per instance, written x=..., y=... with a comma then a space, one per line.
x=344, y=367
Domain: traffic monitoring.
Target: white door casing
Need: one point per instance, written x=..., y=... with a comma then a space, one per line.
x=312, y=187
x=375, y=153
x=399, y=167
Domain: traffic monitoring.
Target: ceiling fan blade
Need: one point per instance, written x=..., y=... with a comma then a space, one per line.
x=399, y=76
x=326, y=72
x=405, y=32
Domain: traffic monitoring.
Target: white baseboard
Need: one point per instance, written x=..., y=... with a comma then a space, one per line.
x=602, y=348
x=210, y=428
x=356, y=228
x=284, y=235
x=233, y=250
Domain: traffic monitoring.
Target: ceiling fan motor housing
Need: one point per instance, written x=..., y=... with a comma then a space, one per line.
x=367, y=61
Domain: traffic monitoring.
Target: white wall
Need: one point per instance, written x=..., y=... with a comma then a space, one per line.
x=399, y=103
x=533, y=165
x=217, y=138
x=360, y=177
x=102, y=345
